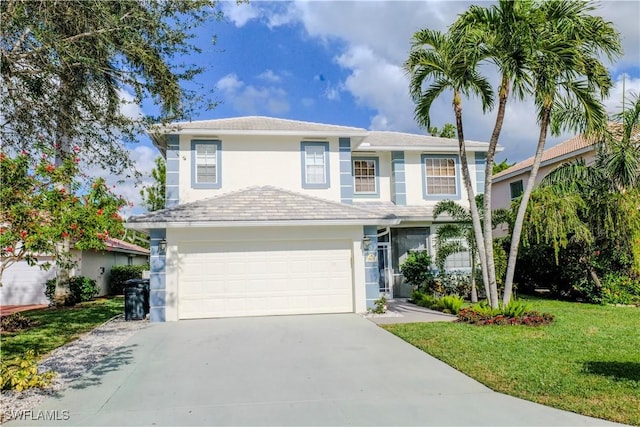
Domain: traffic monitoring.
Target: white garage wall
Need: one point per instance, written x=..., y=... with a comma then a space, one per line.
x=23, y=284
x=176, y=237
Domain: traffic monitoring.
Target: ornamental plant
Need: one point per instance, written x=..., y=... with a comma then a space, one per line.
x=48, y=207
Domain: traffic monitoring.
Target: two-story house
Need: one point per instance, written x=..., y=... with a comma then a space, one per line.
x=270, y=216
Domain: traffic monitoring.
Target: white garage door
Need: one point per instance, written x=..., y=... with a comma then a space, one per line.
x=225, y=279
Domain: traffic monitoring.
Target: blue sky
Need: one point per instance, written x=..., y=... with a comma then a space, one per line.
x=341, y=63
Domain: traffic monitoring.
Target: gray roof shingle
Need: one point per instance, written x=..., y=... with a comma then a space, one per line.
x=264, y=204
x=260, y=123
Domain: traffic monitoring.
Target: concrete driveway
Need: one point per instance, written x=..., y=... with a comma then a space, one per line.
x=291, y=370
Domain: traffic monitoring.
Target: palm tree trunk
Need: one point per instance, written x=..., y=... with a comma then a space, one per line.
x=473, y=207
x=474, y=290
x=488, y=180
x=517, y=226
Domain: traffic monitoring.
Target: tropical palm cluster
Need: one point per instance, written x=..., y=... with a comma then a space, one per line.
x=588, y=214
x=548, y=51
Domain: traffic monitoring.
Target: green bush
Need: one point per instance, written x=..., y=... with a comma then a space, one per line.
x=380, y=305
x=416, y=270
x=16, y=322
x=514, y=313
x=21, y=373
x=121, y=273
x=422, y=299
x=450, y=304
x=619, y=289
x=80, y=288
x=447, y=304
x=452, y=283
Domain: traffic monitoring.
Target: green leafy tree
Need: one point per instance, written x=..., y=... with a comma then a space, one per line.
x=447, y=131
x=595, y=205
x=67, y=67
x=502, y=166
x=154, y=195
x=37, y=212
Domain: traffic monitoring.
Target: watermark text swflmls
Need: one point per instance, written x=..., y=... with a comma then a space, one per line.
x=32, y=415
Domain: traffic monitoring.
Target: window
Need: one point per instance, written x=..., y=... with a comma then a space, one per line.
x=315, y=164
x=365, y=176
x=205, y=164
x=440, y=175
x=516, y=189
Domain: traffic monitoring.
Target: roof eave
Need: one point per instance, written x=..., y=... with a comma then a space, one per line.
x=277, y=132
x=267, y=223
x=547, y=162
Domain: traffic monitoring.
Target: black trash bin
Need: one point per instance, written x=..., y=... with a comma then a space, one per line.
x=136, y=299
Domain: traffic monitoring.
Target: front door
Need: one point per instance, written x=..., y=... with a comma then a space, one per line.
x=385, y=269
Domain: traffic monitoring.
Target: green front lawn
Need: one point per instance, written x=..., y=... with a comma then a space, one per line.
x=587, y=362
x=57, y=327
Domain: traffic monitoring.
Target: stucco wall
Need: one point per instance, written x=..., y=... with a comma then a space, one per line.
x=247, y=161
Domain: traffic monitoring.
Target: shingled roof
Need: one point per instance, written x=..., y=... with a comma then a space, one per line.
x=574, y=146
x=266, y=124
x=410, y=141
x=257, y=206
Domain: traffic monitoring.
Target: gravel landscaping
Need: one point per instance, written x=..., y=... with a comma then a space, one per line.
x=72, y=361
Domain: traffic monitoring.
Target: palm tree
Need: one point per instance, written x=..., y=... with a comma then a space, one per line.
x=502, y=35
x=449, y=236
x=567, y=79
x=436, y=59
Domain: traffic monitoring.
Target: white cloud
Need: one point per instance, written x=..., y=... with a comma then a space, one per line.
x=252, y=100
x=376, y=38
x=270, y=76
x=239, y=13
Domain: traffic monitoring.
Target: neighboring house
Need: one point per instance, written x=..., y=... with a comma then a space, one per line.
x=270, y=216
x=510, y=183
x=23, y=284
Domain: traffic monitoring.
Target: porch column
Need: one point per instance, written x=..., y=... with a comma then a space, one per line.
x=157, y=278
x=371, y=271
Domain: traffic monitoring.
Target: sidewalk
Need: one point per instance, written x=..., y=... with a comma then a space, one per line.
x=401, y=311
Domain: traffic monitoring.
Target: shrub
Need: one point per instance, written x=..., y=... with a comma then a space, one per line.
x=449, y=304
x=416, y=270
x=16, y=322
x=453, y=283
x=80, y=288
x=619, y=289
x=515, y=313
x=380, y=305
x=121, y=273
x=21, y=373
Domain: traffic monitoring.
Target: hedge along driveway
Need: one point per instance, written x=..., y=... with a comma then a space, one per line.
x=58, y=326
x=121, y=273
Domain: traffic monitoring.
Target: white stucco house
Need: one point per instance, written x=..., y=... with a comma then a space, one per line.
x=268, y=216
x=23, y=284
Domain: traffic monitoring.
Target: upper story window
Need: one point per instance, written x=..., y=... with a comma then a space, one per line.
x=441, y=177
x=365, y=176
x=205, y=164
x=516, y=188
x=315, y=164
